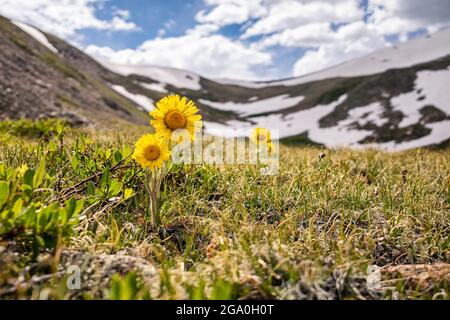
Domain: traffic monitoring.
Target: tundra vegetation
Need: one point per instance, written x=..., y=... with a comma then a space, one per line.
x=74, y=198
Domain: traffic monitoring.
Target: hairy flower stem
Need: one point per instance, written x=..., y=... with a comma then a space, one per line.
x=153, y=184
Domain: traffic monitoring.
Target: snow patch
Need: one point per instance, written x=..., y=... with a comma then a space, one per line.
x=344, y=134
x=175, y=77
x=141, y=100
x=36, y=34
x=430, y=88
x=289, y=125
x=372, y=113
x=273, y=104
x=154, y=87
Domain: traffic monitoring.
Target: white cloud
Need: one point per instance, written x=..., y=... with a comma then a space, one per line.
x=227, y=12
x=309, y=35
x=288, y=14
x=199, y=50
x=390, y=17
x=350, y=41
x=65, y=17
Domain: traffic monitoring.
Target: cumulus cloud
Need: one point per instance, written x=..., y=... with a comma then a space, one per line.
x=225, y=12
x=289, y=14
x=348, y=42
x=199, y=50
x=65, y=17
x=391, y=17
x=309, y=35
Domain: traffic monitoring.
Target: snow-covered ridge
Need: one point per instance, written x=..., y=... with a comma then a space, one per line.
x=141, y=100
x=163, y=75
x=402, y=55
x=287, y=126
x=431, y=88
x=272, y=104
x=36, y=34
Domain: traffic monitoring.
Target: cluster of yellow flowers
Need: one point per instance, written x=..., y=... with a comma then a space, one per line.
x=171, y=113
x=152, y=151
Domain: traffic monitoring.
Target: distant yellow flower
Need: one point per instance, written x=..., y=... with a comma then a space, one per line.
x=261, y=136
x=151, y=151
x=270, y=147
x=172, y=113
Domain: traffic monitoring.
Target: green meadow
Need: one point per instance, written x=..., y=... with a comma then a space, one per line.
x=73, y=200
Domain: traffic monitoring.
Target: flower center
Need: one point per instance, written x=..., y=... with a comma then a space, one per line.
x=175, y=120
x=152, y=153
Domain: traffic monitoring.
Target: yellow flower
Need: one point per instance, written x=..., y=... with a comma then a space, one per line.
x=260, y=136
x=172, y=113
x=151, y=151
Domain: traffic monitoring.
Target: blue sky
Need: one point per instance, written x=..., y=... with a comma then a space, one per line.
x=242, y=39
x=174, y=16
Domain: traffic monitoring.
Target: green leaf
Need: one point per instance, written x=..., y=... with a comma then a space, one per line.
x=106, y=179
x=222, y=290
x=92, y=165
x=117, y=156
x=39, y=174
x=124, y=288
x=17, y=207
x=70, y=208
x=28, y=177
x=108, y=154
x=4, y=192
x=115, y=188
x=74, y=163
x=126, y=151
x=27, y=192
x=90, y=189
x=59, y=129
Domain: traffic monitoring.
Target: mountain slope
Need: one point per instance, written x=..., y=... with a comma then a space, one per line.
x=39, y=77
x=396, y=98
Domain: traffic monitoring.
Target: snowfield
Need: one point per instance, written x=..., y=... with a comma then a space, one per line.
x=154, y=87
x=344, y=133
x=162, y=75
x=36, y=34
x=141, y=100
x=431, y=88
x=273, y=104
x=286, y=126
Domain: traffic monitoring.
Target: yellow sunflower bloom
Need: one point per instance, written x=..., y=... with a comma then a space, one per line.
x=260, y=136
x=174, y=112
x=151, y=151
